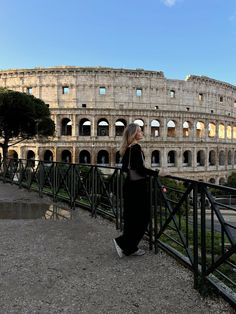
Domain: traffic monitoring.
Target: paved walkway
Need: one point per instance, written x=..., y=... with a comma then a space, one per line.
x=70, y=266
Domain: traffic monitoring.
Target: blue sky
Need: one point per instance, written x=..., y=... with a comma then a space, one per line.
x=178, y=37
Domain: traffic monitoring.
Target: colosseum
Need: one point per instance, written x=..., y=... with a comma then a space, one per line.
x=189, y=125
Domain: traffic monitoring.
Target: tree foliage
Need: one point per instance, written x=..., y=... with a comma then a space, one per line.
x=231, y=180
x=22, y=117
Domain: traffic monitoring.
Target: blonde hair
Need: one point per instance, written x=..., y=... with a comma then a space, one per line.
x=128, y=137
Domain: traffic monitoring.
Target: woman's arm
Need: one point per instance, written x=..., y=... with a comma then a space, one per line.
x=137, y=162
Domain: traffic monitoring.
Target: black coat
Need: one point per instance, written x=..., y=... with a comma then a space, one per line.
x=134, y=158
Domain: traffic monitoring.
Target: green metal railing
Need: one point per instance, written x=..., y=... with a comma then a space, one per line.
x=190, y=220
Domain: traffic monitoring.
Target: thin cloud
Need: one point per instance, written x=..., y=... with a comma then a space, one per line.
x=169, y=3
x=232, y=17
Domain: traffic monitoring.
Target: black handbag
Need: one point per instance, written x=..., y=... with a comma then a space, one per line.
x=133, y=174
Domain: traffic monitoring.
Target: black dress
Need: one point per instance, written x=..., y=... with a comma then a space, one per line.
x=136, y=201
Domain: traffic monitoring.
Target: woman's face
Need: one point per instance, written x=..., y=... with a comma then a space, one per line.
x=139, y=134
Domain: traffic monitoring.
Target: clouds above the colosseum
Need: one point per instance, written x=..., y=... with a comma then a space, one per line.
x=232, y=17
x=169, y=3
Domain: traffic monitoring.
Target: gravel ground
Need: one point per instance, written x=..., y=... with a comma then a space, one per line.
x=70, y=266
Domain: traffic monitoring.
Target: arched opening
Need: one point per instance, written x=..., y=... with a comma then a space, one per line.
x=212, y=158
x=155, y=158
x=48, y=156
x=200, y=158
x=211, y=130
x=212, y=181
x=140, y=123
x=229, y=132
x=155, y=128
x=234, y=132
x=171, y=158
x=30, y=158
x=186, y=129
x=187, y=158
x=222, y=181
x=85, y=127
x=84, y=157
x=66, y=156
x=120, y=126
x=229, y=157
x=222, y=158
x=171, y=128
x=103, y=157
x=200, y=129
x=103, y=127
x=30, y=154
x=12, y=154
x=118, y=159
x=221, y=130
x=66, y=127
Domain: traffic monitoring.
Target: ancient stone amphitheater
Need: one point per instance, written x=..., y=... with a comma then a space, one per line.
x=189, y=125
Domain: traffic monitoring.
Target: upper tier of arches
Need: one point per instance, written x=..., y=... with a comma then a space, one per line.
x=157, y=128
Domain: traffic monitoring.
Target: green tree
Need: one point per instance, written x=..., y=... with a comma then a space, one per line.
x=22, y=117
x=231, y=180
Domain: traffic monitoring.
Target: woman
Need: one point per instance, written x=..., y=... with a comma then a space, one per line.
x=136, y=208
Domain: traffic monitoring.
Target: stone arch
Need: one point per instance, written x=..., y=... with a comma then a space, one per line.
x=200, y=158
x=212, y=158
x=103, y=127
x=229, y=158
x=212, y=180
x=12, y=154
x=222, y=158
x=171, y=128
x=171, y=158
x=221, y=130
x=66, y=156
x=200, y=129
x=222, y=181
x=155, y=158
x=118, y=158
x=30, y=154
x=187, y=158
x=234, y=132
x=103, y=157
x=120, y=125
x=211, y=130
x=84, y=157
x=155, y=128
x=85, y=127
x=48, y=155
x=186, y=129
x=66, y=127
x=229, y=131
x=140, y=122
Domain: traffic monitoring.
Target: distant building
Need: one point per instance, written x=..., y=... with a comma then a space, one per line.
x=189, y=125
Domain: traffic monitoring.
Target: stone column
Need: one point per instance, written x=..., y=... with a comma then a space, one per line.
x=74, y=126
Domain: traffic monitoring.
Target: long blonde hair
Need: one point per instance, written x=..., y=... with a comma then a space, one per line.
x=128, y=137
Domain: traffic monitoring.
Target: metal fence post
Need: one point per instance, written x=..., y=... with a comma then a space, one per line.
x=72, y=187
x=54, y=188
x=41, y=178
x=195, y=236
x=93, y=213
x=203, y=286
x=150, y=230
